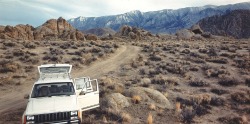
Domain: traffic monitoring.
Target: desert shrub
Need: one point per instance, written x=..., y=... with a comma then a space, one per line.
x=195, y=59
x=241, y=97
x=212, y=52
x=198, y=83
x=215, y=72
x=233, y=50
x=29, y=45
x=201, y=99
x=29, y=68
x=155, y=57
x=241, y=63
x=176, y=69
x=230, y=120
x=8, y=66
x=201, y=109
x=219, y=91
x=206, y=67
x=78, y=59
x=225, y=55
x=227, y=81
x=65, y=45
x=54, y=51
x=187, y=115
x=159, y=80
x=224, y=47
x=9, y=44
x=218, y=60
x=217, y=101
x=247, y=82
x=202, y=50
x=186, y=51
x=194, y=68
x=18, y=52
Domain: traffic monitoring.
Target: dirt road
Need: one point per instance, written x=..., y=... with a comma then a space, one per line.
x=13, y=100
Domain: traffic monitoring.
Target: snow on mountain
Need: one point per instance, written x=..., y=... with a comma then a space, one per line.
x=163, y=21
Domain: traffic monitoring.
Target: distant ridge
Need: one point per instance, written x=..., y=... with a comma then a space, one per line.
x=235, y=23
x=162, y=21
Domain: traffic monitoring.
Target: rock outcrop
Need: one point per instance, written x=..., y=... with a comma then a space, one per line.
x=149, y=96
x=184, y=34
x=57, y=29
x=53, y=29
x=22, y=32
x=100, y=31
x=134, y=33
x=235, y=23
x=115, y=101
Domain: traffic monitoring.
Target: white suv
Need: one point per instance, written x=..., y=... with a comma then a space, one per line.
x=56, y=98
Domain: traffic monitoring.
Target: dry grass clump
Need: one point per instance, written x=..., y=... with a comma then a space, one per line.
x=126, y=117
x=178, y=107
x=150, y=119
x=136, y=99
x=152, y=106
x=201, y=98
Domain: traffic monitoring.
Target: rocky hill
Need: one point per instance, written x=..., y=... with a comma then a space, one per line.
x=235, y=23
x=53, y=29
x=163, y=21
x=100, y=31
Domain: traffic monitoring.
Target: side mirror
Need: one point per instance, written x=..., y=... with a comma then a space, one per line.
x=26, y=96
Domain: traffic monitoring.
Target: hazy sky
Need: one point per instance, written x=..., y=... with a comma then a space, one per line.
x=36, y=12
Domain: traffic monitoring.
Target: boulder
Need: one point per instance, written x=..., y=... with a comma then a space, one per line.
x=91, y=37
x=149, y=96
x=115, y=101
x=196, y=29
x=184, y=34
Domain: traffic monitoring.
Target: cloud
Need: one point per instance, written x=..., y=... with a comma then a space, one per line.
x=36, y=12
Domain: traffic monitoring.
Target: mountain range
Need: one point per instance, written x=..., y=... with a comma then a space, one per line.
x=162, y=21
x=235, y=23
